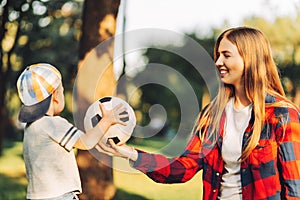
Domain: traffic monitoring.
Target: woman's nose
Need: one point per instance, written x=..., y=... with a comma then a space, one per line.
x=219, y=62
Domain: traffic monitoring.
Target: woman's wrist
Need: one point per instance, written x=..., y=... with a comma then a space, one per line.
x=133, y=154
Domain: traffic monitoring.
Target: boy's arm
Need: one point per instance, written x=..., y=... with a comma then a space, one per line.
x=110, y=117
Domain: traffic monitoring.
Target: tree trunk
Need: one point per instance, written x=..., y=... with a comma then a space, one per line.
x=95, y=79
x=6, y=66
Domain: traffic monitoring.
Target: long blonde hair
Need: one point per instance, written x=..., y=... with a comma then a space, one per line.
x=260, y=77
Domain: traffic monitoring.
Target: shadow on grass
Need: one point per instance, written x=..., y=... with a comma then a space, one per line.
x=11, y=188
x=123, y=195
x=8, y=144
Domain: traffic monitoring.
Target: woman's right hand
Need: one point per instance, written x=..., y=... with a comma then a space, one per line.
x=123, y=150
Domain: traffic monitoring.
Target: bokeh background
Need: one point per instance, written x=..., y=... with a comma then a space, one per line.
x=69, y=34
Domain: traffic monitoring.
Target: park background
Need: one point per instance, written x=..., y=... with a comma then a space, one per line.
x=66, y=33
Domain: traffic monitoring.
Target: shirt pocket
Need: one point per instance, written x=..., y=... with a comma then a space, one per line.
x=264, y=156
x=263, y=166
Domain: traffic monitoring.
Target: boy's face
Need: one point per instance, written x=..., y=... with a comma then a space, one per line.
x=60, y=100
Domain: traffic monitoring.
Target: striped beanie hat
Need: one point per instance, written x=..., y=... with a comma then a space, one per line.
x=35, y=84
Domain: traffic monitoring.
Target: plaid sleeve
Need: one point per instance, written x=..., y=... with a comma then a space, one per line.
x=171, y=170
x=289, y=153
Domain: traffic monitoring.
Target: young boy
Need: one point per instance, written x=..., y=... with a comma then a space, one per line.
x=51, y=168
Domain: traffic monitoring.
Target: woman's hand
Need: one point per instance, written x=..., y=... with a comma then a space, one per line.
x=123, y=150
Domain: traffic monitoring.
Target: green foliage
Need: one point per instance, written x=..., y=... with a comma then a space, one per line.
x=37, y=31
x=158, y=94
x=52, y=35
x=284, y=37
x=283, y=34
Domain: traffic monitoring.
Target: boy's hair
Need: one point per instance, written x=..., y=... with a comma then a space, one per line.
x=35, y=87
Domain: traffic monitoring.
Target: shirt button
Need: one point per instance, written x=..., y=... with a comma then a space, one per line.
x=243, y=170
x=214, y=190
x=217, y=174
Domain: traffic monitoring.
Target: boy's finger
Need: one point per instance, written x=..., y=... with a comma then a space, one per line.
x=124, y=115
x=101, y=106
x=118, y=107
x=122, y=123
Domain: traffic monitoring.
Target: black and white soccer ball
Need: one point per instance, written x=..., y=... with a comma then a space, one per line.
x=119, y=133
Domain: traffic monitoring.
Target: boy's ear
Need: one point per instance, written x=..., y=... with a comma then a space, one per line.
x=54, y=96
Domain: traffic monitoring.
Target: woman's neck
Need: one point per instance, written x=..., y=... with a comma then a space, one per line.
x=240, y=99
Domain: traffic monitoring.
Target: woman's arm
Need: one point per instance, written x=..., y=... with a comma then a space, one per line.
x=158, y=167
x=289, y=153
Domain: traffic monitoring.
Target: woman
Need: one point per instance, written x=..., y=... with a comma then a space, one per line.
x=247, y=140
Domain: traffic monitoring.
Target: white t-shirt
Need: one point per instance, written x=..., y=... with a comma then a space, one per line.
x=236, y=123
x=51, y=167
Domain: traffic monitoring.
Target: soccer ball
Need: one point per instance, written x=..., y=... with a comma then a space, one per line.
x=119, y=133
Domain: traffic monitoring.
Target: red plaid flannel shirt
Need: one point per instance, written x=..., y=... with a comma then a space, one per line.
x=272, y=171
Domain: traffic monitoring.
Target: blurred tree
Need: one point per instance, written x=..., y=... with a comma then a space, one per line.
x=96, y=79
x=5, y=66
x=34, y=31
x=284, y=37
x=167, y=98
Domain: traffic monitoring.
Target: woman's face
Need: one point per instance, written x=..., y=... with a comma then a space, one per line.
x=230, y=64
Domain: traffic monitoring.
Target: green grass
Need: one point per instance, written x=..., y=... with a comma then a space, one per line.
x=12, y=172
x=134, y=182
x=131, y=184
x=12, y=188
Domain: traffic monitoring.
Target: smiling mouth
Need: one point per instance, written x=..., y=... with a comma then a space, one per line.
x=223, y=72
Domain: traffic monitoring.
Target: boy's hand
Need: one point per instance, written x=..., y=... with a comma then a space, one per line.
x=115, y=115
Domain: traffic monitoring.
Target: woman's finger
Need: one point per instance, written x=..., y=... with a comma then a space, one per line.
x=100, y=149
x=112, y=144
x=106, y=148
